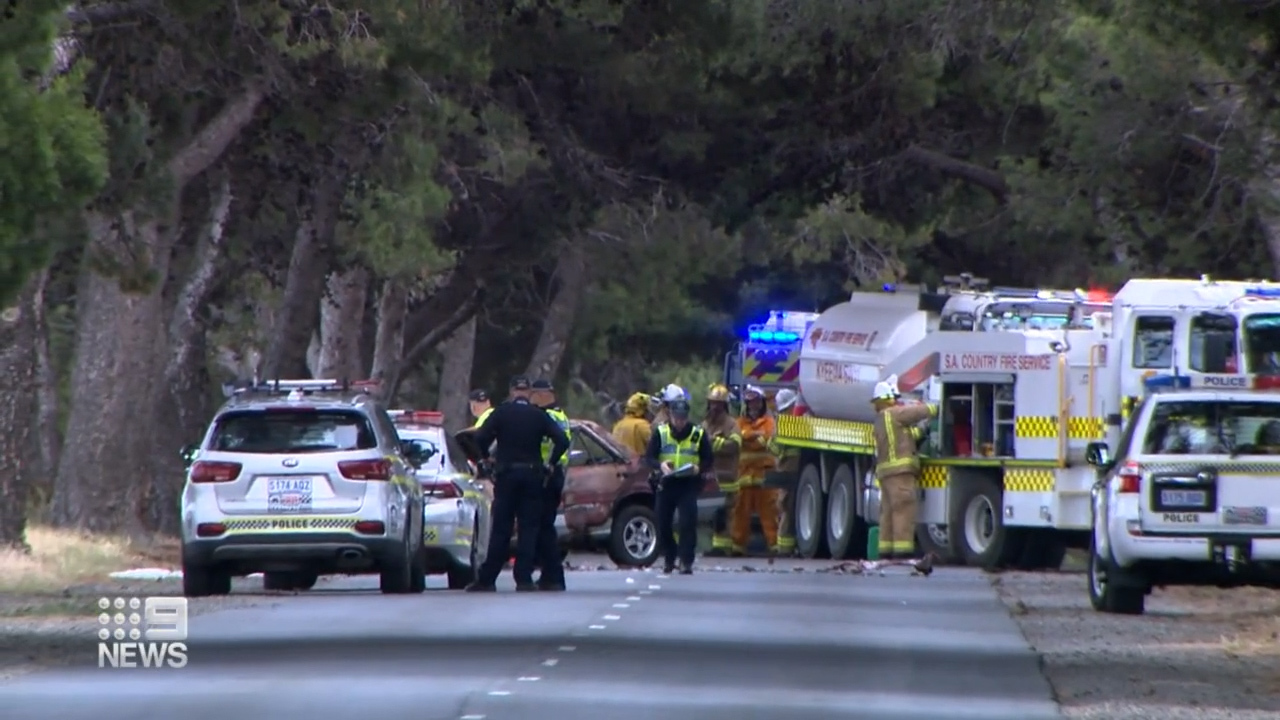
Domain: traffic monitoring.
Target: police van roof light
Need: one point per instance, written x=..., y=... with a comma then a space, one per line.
x=1263, y=292
x=773, y=336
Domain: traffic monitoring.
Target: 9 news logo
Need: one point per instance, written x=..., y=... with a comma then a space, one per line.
x=152, y=638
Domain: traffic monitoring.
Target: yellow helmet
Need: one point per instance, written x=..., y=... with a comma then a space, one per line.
x=717, y=393
x=638, y=403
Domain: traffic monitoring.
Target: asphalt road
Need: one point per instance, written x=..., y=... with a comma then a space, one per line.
x=618, y=646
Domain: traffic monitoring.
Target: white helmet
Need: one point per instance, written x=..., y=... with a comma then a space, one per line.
x=886, y=389
x=785, y=398
x=673, y=392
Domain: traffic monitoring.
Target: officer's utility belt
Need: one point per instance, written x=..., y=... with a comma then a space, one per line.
x=507, y=467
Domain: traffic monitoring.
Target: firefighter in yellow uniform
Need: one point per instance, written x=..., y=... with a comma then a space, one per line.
x=897, y=432
x=756, y=427
x=788, y=462
x=633, y=430
x=726, y=442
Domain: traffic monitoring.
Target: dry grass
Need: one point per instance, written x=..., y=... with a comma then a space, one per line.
x=61, y=559
x=1253, y=613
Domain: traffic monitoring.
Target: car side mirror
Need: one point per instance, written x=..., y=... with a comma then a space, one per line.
x=1098, y=455
x=189, y=454
x=415, y=453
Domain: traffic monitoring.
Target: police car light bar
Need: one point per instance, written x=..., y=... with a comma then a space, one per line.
x=283, y=387
x=773, y=336
x=417, y=417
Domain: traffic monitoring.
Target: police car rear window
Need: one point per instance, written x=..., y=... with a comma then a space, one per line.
x=1213, y=428
x=292, y=431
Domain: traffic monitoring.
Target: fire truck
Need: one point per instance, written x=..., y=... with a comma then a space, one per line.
x=1025, y=380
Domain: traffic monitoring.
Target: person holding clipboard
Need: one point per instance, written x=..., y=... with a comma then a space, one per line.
x=681, y=454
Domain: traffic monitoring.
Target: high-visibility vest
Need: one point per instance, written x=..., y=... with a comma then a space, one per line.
x=547, y=446
x=678, y=452
x=483, y=416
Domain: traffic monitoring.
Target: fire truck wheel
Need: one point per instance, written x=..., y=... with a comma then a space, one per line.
x=811, y=537
x=934, y=538
x=976, y=528
x=846, y=530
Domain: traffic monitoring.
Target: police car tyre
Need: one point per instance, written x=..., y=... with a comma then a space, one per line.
x=204, y=581
x=460, y=576
x=278, y=581
x=418, y=573
x=305, y=580
x=395, y=573
x=976, y=525
x=633, y=539
x=1106, y=594
x=846, y=530
x=811, y=514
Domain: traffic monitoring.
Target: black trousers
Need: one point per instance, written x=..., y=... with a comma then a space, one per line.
x=517, y=497
x=679, y=494
x=548, y=545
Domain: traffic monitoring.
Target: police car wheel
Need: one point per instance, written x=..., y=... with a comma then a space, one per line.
x=418, y=572
x=1106, y=594
x=204, y=581
x=395, y=572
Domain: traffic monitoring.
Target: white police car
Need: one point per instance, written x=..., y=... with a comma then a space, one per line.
x=1190, y=496
x=297, y=479
x=456, y=507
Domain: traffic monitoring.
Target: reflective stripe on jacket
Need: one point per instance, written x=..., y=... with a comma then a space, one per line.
x=896, y=438
x=547, y=446
x=756, y=459
x=788, y=457
x=678, y=452
x=483, y=416
x=726, y=443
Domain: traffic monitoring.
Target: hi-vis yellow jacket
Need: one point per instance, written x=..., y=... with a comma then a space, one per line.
x=896, y=434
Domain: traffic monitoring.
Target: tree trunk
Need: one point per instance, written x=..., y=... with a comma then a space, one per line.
x=1265, y=190
x=102, y=482
x=184, y=408
x=342, y=324
x=47, y=426
x=388, y=344
x=19, y=457
x=102, y=474
x=299, y=315
x=557, y=325
x=458, y=354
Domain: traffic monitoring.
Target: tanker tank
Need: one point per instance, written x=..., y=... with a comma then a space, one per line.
x=848, y=346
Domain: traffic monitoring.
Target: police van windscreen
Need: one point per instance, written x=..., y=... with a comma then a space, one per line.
x=288, y=430
x=1262, y=342
x=1213, y=428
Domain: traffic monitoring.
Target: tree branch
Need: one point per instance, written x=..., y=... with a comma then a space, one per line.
x=212, y=140
x=102, y=13
x=437, y=335
x=986, y=178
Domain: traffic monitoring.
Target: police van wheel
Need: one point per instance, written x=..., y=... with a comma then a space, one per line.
x=1106, y=594
x=204, y=581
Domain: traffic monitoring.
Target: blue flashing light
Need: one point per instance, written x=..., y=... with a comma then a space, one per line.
x=1167, y=382
x=772, y=336
x=889, y=287
x=1263, y=292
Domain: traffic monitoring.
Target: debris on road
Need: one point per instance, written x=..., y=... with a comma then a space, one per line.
x=1199, y=653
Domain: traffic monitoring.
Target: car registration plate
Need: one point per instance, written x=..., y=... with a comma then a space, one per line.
x=1184, y=498
x=289, y=494
x=1244, y=516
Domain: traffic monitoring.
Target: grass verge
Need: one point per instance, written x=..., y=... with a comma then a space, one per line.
x=44, y=582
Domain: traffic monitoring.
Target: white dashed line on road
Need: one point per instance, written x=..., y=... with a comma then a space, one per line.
x=550, y=662
x=528, y=678
x=633, y=598
x=596, y=627
x=612, y=617
x=621, y=605
x=499, y=693
x=646, y=592
x=472, y=717
x=568, y=648
x=655, y=587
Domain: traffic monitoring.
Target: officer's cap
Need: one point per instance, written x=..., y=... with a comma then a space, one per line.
x=479, y=396
x=542, y=384
x=520, y=382
x=678, y=408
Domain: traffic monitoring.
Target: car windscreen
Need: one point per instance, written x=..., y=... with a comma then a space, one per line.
x=272, y=431
x=1210, y=427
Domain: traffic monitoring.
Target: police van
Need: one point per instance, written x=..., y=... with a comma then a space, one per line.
x=1190, y=494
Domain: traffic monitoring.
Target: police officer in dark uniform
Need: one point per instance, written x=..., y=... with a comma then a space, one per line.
x=673, y=445
x=520, y=483
x=552, y=576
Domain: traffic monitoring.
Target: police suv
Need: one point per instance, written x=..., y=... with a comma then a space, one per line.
x=1190, y=495
x=297, y=479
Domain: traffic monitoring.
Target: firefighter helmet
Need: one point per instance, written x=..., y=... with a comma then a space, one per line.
x=718, y=393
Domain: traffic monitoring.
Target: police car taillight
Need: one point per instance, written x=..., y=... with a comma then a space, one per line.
x=365, y=469
x=1129, y=478
x=440, y=490
x=214, y=472
x=1266, y=382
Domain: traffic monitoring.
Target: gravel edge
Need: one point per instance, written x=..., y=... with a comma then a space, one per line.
x=1199, y=653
